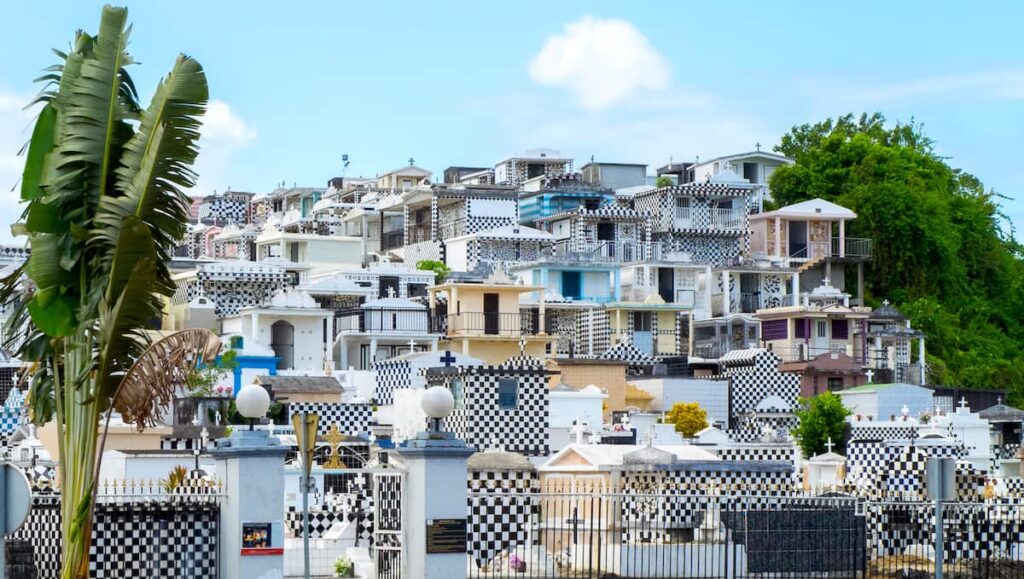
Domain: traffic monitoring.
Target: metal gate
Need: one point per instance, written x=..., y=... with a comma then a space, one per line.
x=388, y=544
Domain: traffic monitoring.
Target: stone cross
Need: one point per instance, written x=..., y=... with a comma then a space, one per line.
x=829, y=445
x=578, y=430
x=412, y=345
x=963, y=402
x=757, y=146
x=870, y=375
x=391, y=291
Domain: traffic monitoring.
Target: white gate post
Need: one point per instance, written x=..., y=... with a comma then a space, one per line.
x=434, y=506
x=251, y=465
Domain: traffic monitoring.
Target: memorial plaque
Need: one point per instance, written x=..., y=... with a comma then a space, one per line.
x=446, y=536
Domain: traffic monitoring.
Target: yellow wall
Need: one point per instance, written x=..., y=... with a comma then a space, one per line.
x=609, y=377
x=495, y=350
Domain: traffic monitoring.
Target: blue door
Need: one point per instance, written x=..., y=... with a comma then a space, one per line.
x=572, y=284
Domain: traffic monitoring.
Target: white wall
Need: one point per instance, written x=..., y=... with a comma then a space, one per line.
x=597, y=284
x=455, y=255
x=308, y=339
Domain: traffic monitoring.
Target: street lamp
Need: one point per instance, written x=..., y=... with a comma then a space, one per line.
x=252, y=402
x=437, y=403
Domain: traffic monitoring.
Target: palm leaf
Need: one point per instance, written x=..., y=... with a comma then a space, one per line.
x=149, y=385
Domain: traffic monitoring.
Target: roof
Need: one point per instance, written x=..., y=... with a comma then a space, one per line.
x=765, y=154
x=517, y=232
x=393, y=304
x=877, y=388
x=887, y=312
x=300, y=384
x=604, y=455
x=811, y=208
x=742, y=357
x=499, y=460
x=1002, y=413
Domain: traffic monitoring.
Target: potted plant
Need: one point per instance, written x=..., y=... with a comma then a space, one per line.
x=343, y=567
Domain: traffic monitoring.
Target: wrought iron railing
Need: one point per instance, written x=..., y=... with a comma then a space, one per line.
x=489, y=324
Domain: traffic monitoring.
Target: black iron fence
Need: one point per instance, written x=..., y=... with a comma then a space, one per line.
x=659, y=535
x=606, y=535
x=491, y=324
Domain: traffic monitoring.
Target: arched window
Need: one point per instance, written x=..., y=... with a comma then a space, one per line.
x=282, y=340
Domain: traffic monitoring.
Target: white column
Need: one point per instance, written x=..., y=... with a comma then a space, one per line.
x=373, y=352
x=727, y=294
x=920, y=358
x=778, y=236
x=842, y=238
x=796, y=288
x=708, y=280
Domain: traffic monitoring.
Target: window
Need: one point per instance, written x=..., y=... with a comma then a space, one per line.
x=773, y=330
x=800, y=328
x=282, y=341
x=508, y=393
x=835, y=384
x=458, y=392
x=840, y=330
x=822, y=329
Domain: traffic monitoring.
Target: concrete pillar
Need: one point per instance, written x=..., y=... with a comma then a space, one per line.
x=434, y=504
x=860, y=283
x=842, y=238
x=726, y=293
x=617, y=284
x=708, y=280
x=251, y=465
x=778, y=236
x=796, y=288
x=921, y=358
x=373, y=352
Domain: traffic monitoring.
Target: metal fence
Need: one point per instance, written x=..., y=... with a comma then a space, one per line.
x=660, y=535
x=605, y=535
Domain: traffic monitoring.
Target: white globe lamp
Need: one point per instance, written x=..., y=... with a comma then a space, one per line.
x=252, y=402
x=437, y=403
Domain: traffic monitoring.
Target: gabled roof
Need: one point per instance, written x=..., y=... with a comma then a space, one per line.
x=300, y=384
x=511, y=232
x=818, y=208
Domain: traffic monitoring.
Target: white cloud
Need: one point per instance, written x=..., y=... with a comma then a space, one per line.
x=602, y=62
x=15, y=130
x=223, y=135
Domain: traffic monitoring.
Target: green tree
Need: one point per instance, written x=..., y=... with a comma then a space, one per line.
x=439, y=268
x=103, y=184
x=821, y=418
x=688, y=417
x=663, y=181
x=943, y=251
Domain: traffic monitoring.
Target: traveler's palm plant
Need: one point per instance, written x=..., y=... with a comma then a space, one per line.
x=103, y=184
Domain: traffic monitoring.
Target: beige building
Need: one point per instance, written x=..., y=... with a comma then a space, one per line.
x=484, y=319
x=608, y=375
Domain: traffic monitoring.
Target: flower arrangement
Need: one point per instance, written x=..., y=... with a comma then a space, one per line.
x=925, y=417
x=343, y=567
x=516, y=564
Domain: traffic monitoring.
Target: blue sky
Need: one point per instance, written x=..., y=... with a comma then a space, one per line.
x=298, y=84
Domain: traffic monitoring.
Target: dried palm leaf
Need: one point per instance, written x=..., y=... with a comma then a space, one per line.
x=149, y=385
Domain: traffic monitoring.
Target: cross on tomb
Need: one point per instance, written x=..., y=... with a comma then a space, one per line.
x=412, y=345
x=829, y=445
x=870, y=375
x=334, y=439
x=391, y=291
x=447, y=359
x=578, y=430
x=963, y=402
x=757, y=146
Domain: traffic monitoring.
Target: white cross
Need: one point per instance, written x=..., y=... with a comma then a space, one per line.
x=412, y=345
x=578, y=430
x=829, y=445
x=870, y=374
x=963, y=402
x=391, y=291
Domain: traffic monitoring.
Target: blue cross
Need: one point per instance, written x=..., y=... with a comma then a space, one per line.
x=447, y=359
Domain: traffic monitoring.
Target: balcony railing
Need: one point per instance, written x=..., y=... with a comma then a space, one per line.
x=419, y=233
x=489, y=324
x=382, y=321
x=805, y=352
x=392, y=240
x=605, y=251
x=711, y=218
x=854, y=247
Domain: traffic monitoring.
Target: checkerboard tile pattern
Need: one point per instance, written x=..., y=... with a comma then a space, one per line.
x=352, y=419
x=498, y=511
x=482, y=422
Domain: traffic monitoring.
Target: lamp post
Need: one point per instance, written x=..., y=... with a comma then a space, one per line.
x=252, y=402
x=437, y=403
